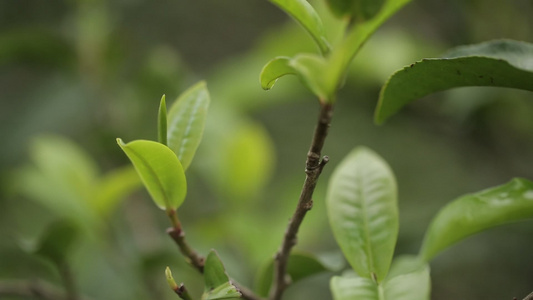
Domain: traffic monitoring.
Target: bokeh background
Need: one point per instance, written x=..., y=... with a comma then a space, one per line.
x=76, y=74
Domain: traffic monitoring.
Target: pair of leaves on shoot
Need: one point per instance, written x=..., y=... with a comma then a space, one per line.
x=323, y=75
x=217, y=283
x=362, y=209
x=161, y=167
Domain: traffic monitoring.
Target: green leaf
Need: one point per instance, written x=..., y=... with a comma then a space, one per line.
x=309, y=68
x=353, y=287
x=356, y=37
x=502, y=63
x=306, y=16
x=363, y=212
x=409, y=280
x=217, y=284
x=114, y=187
x=473, y=213
x=160, y=171
x=300, y=266
x=186, y=121
x=162, y=121
x=58, y=240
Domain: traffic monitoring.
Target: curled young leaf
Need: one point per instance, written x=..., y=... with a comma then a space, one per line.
x=217, y=283
x=160, y=171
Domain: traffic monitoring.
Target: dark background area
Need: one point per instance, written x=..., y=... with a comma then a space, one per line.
x=91, y=71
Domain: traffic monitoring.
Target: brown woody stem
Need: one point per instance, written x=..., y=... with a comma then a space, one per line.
x=314, y=166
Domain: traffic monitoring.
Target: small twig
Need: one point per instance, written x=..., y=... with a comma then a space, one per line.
x=314, y=166
x=32, y=288
x=196, y=260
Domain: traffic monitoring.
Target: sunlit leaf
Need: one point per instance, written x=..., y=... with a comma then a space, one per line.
x=217, y=284
x=160, y=171
x=502, y=63
x=186, y=121
x=299, y=267
x=363, y=212
x=162, y=122
x=273, y=70
x=356, y=37
x=58, y=240
x=354, y=287
x=473, y=213
x=305, y=15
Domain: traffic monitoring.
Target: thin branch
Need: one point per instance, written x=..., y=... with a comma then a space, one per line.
x=314, y=166
x=32, y=288
x=197, y=261
x=529, y=297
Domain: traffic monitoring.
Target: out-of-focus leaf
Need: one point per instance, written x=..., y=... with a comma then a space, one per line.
x=162, y=121
x=473, y=213
x=342, y=56
x=244, y=162
x=186, y=121
x=113, y=187
x=217, y=284
x=299, y=267
x=58, y=240
x=160, y=171
x=502, y=63
x=408, y=280
x=363, y=212
x=305, y=15
x=309, y=68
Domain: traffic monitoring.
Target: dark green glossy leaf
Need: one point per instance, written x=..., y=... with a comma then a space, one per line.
x=299, y=267
x=160, y=171
x=356, y=37
x=58, y=240
x=502, y=63
x=473, y=213
x=305, y=15
x=186, y=121
x=363, y=212
x=217, y=284
x=162, y=121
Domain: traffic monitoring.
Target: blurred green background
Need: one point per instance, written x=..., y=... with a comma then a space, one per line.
x=76, y=74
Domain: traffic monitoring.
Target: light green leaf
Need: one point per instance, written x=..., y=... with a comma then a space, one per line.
x=502, y=63
x=160, y=171
x=409, y=280
x=306, y=16
x=273, y=70
x=356, y=37
x=217, y=284
x=473, y=213
x=300, y=266
x=162, y=121
x=353, y=287
x=363, y=212
x=58, y=240
x=186, y=121
x=309, y=68
x=114, y=187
